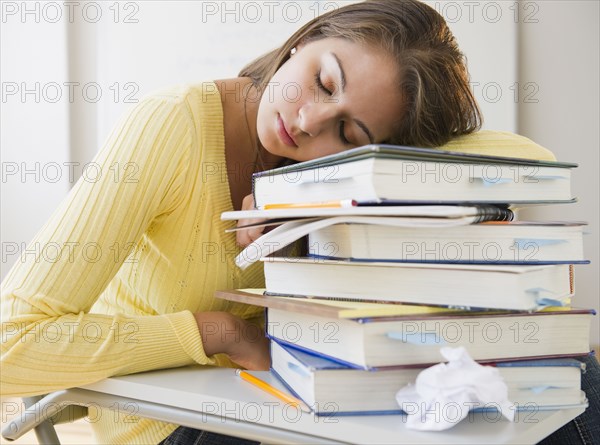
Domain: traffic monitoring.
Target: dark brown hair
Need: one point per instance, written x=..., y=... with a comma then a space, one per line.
x=434, y=81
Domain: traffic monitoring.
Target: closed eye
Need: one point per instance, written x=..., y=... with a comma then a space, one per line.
x=342, y=135
x=323, y=88
x=320, y=83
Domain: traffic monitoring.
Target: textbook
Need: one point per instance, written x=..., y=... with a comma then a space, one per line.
x=415, y=339
x=402, y=216
x=492, y=286
x=387, y=173
x=489, y=242
x=330, y=308
x=330, y=388
x=422, y=214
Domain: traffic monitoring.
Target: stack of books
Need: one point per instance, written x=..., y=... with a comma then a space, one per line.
x=409, y=250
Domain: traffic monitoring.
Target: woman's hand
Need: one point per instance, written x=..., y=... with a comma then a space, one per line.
x=252, y=351
x=247, y=236
x=243, y=342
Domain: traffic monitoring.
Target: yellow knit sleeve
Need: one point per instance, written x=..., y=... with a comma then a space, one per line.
x=50, y=340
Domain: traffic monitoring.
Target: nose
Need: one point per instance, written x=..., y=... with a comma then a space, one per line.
x=315, y=118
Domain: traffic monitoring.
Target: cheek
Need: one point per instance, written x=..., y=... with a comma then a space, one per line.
x=324, y=146
x=292, y=85
x=261, y=121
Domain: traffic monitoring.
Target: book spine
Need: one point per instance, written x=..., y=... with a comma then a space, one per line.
x=493, y=213
x=254, y=178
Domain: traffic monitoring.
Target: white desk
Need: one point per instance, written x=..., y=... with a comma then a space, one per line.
x=216, y=400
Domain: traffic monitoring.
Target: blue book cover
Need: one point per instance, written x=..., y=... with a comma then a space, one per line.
x=316, y=362
x=313, y=361
x=302, y=366
x=543, y=362
x=442, y=261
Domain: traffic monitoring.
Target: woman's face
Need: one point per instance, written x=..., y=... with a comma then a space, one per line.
x=331, y=95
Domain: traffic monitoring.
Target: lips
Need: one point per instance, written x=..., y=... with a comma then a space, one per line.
x=283, y=134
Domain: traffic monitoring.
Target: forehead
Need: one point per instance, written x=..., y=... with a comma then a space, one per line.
x=372, y=92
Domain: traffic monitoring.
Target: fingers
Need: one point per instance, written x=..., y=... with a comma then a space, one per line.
x=248, y=202
x=250, y=349
x=248, y=236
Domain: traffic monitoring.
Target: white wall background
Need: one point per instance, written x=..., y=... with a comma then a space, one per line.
x=560, y=55
x=532, y=71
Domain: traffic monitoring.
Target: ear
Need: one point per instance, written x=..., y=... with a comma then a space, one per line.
x=297, y=48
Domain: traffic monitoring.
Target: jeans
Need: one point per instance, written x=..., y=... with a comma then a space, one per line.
x=583, y=430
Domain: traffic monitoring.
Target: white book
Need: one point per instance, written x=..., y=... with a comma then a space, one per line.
x=416, y=338
x=379, y=173
x=329, y=388
x=312, y=219
x=512, y=287
x=490, y=242
x=422, y=214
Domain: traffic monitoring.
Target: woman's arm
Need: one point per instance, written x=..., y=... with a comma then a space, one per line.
x=49, y=339
x=245, y=343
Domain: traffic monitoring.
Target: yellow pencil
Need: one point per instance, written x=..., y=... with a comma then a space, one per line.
x=344, y=203
x=273, y=391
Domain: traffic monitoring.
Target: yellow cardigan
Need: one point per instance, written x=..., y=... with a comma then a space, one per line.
x=109, y=284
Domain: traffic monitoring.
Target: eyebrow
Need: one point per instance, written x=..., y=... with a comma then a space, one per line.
x=360, y=123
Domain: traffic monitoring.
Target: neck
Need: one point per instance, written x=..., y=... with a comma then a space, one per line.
x=241, y=99
x=243, y=152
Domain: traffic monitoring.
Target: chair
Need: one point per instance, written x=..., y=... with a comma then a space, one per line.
x=41, y=414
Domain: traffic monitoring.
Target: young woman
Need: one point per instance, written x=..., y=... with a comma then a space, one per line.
x=138, y=255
